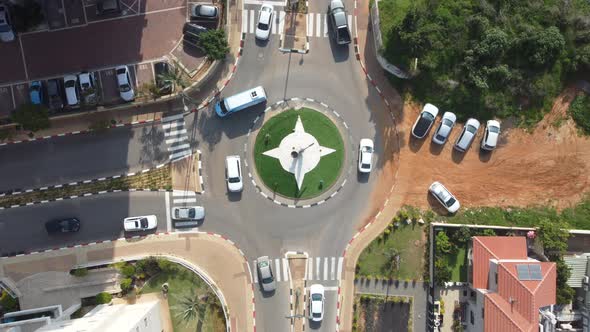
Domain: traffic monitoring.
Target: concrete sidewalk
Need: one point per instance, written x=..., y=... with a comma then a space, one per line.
x=199, y=250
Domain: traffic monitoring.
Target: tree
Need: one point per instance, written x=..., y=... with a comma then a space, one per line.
x=214, y=44
x=565, y=293
x=542, y=46
x=391, y=260
x=442, y=243
x=27, y=14
x=175, y=75
x=32, y=117
x=553, y=234
x=442, y=273
x=191, y=307
x=461, y=235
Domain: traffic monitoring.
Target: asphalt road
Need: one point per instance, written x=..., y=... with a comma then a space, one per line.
x=81, y=157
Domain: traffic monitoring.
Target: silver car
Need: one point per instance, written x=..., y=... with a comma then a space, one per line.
x=267, y=279
x=6, y=31
x=188, y=213
x=444, y=128
x=467, y=135
x=444, y=197
x=490, y=136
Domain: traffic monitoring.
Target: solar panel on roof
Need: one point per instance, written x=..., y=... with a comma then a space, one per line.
x=523, y=272
x=535, y=271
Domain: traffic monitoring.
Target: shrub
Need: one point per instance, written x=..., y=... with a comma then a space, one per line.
x=580, y=112
x=167, y=266
x=31, y=117
x=103, y=298
x=27, y=14
x=149, y=266
x=126, y=285
x=214, y=44
x=7, y=302
x=128, y=271
x=81, y=272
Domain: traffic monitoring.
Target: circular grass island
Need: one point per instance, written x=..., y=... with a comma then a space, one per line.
x=316, y=181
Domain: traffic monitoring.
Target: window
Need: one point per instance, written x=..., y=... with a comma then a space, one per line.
x=482, y=315
x=471, y=317
x=496, y=279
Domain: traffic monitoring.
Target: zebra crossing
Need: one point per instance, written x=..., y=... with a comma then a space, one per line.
x=318, y=268
x=176, y=137
x=317, y=23
x=184, y=198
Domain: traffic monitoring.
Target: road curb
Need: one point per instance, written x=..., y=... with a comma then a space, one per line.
x=200, y=166
x=259, y=188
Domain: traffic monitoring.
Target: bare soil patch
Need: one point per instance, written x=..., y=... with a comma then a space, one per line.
x=381, y=314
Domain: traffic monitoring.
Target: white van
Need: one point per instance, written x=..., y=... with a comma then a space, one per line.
x=240, y=101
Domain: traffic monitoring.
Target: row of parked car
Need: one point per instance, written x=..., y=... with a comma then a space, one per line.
x=198, y=13
x=428, y=115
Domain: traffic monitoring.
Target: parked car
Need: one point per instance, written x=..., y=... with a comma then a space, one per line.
x=233, y=173
x=365, y=155
x=55, y=94
x=267, y=278
x=444, y=128
x=204, y=12
x=188, y=213
x=165, y=86
x=87, y=87
x=36, y=92
x=316, y=302
x=264, y=21
x=142, y=223
x=105, y=7
x=191, y=32
x=444, y=196
x=424, y=121
x=490, y=136
x=339, y=22
x=72, y=93
x=467, y=135
x=68, y=225
x=6, y=30
x=124, y=82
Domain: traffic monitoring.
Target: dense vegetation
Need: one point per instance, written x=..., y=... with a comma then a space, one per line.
x=488, y=58
x=580, y=112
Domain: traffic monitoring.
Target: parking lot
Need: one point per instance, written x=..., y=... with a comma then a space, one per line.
x=77, y=38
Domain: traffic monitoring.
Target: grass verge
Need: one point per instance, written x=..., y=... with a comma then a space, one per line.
x=270, y=170
x=155, y=179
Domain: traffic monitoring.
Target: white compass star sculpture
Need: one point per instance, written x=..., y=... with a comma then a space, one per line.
x=299, y=153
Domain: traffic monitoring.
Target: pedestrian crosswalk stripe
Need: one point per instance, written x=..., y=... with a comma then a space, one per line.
x=275, y=23
x=177, y=139
x=318, y=26
x=255, y=274
x=179, y=147
x=350, y=21
x=332, y=269
x=325, y=27
x=175, y=132
x=309, y=269
x=340, y=260
x=285, y=269
x=180, y=154
x=183, y=193
x=179, y=123
x=172, y=118
x=278, y=269
x=281, y=22
x=244, y=20
x=184, y=200
x=325, y=268
x=309, y=19
x=317, y=267
x=252, y=20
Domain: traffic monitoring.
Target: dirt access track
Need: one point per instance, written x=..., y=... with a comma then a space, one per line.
x=549, y=165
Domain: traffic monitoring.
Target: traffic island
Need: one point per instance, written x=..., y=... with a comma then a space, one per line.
x=187, y=174
x=294, y=36
x=297, y=265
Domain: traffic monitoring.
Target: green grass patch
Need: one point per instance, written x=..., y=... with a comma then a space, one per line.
x=180, y=283
x=270, y=170
x=458, y=263
x=408, y=240
x=391, y=13
x=156, y=179
x=580, y=112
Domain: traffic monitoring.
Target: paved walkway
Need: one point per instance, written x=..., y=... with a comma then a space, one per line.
x=418, y=291
x=231, y=277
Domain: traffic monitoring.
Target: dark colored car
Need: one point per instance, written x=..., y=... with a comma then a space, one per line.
x=339, y=23
x=55, y=94
x=164, y=86
x=191, y=32
x=68, y=225
x=204, y=12
x=424, y=121
x=105, y=7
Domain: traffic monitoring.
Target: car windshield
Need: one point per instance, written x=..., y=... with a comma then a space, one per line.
x=471, y=129
x=450, y=201
x=316, y=297
x=120, y=71
x=4, y=28
x=447, y=122
x=440, y=137
x=192, y=213
x=494, y=129
x=85, y=85
x=267, y=280
x=262, y=26
x=317, y=314
x=427, y=116
x=125, y=87
x=143, y=222
x=222, y=106
x=234, y=180
x=70, y=84
x=367, y=149
x=34, y=88
x=364, y=165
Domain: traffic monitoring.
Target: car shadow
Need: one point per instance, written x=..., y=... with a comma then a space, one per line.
x=457, y=156
x=436, y=149
x=485, y=155
x=234, y=197
x=436, y=207
x=415, y=144
x=362, y=177
x=261, y=43
x=314, y=325
x=266, y=294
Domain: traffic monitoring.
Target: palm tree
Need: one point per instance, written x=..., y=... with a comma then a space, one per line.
x=391, y=260
x=175, y=75
x=191, y=307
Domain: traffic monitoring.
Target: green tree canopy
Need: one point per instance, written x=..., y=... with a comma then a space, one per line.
x=214, y=44
x=31, y=117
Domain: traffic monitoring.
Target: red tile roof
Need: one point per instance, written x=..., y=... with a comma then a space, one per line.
x=498, y=247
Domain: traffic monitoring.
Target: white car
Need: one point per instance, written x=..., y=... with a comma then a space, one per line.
x=233, y=173
x=6, y=31
x=316, y=302
x=71, y=88
x=124, y=82
x=424, y=121
x=467, y=135
x=365, y=155
x=87, y=87
x=490, y=136
x=142, y=223
x=444, y=128
x=444, y=196
x=188, y=213
x=264, y=22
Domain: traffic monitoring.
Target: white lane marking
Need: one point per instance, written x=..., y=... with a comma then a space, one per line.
x=179, y=147
x=317, y=267
x=168, y=219
x=285, y=269
x=175, y=132
x=281, y=22
x=340, y=260
x=275, y=23
x=310, y=269
x=172, y=118
x=278, y=269
x=325, y=268
x=318, y=26
x=331, y=289
x=252, y=20
x=177, y=139
x=180, y=154
x=244, y=20
x=309, y=20
x=255, y=275
x=183, y=193
x=169, y=125
x=333, y=269
x=260, y=2
x=184, y=200
x=350, y=21
x=325, y=26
